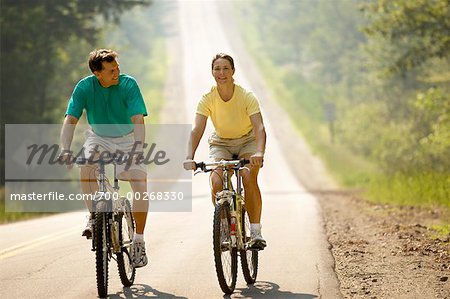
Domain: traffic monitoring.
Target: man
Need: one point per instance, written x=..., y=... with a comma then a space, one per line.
x=115, y=111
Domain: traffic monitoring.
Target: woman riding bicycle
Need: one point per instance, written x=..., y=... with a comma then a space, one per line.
x=239, y=133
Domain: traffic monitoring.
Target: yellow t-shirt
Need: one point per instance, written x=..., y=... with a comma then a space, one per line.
x=230, y=119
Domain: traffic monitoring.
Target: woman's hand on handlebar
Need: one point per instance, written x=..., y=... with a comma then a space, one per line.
x=189, y=164
x=257, y=159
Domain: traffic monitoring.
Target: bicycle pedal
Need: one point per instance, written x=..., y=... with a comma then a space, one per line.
x=87, y=234
x=256, y=246
x=225, y=246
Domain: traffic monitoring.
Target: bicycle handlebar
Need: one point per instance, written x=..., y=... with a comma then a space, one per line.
x=107, y=160
x=224, y=163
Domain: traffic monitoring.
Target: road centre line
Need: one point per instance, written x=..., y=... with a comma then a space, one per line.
x=14, y=250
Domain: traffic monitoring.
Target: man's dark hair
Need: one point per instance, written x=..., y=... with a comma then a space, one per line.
x=97, y=56
x=224, y=56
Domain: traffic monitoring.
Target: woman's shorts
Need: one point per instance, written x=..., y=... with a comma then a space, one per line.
x=227, y=149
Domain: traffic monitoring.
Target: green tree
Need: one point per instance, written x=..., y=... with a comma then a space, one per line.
x=44, y=46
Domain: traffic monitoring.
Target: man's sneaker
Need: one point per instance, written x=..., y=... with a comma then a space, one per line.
x=138, y=255
x=87, y=232
x=256, y=240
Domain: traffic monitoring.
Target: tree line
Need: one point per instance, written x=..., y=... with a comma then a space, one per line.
x=44, y=49
x=378, y=69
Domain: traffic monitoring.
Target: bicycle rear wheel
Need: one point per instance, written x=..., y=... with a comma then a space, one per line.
x=101, y=249
x=127, y=272
x=249, y=258
x=225, y=256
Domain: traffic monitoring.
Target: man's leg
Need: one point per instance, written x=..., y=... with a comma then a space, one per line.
x=89, y=185
x=138, y=182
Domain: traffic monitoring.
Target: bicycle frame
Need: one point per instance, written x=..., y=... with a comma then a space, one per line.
x=112, y=209
x=110, y=212
x=232, y=196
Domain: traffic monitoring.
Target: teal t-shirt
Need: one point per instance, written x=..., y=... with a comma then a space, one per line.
x=109, y=110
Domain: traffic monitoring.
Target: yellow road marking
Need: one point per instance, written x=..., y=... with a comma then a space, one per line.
x=14, y=250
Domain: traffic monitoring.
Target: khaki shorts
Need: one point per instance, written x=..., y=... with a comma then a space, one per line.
x=112, y=145
x=227, y=149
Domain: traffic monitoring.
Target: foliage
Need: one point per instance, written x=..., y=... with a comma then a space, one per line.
x=38, y=37
x=384, y=66
x=44, y=46
x=414, y=31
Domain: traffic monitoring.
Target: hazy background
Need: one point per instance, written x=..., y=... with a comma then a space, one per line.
x=365, y=82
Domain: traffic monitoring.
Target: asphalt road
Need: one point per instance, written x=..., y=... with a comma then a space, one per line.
x=47, y=258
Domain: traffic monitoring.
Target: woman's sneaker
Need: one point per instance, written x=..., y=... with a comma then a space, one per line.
x=256, y=240
x=138, y=255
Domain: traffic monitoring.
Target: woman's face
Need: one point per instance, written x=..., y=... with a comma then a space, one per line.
x=222, y=71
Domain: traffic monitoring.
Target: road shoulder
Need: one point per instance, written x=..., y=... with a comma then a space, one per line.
x=386, y=252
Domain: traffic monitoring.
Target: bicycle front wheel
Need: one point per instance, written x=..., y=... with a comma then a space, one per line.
x=225, y=256
x=101, y=249
x=249, y=258
x=127, y=272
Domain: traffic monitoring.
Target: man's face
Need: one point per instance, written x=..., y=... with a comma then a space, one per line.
x=109, y=75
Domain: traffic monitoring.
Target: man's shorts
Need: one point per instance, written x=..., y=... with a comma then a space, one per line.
x=112, y=145
x=227, y=149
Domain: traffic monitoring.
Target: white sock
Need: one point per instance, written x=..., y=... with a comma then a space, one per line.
x=255, y=227
x=138, y=237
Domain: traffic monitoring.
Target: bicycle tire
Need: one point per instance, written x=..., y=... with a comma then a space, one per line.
x=127, y=272
x=101, y=250
x=249, y=258
x=225, y=258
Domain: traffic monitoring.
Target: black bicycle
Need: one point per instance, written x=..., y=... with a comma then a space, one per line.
x=231, y=227
x=113, y=228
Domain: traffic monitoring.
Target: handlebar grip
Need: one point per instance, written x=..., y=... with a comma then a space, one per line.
x=200, y=165
x=244, y=162
x=81, y=161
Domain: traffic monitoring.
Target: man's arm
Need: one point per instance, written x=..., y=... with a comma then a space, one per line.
x=260, y=134
x=66, y=136
x=67, y=131
x=139, y=131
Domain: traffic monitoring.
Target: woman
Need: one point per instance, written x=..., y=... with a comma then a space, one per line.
x=239, y=133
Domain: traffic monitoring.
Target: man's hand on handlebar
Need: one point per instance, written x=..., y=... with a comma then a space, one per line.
x=66, y=158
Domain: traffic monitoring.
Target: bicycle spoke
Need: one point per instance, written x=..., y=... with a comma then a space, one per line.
x=225, y=256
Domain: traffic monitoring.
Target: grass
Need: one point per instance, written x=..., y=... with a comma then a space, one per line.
x=421, y=189
x=440, y=231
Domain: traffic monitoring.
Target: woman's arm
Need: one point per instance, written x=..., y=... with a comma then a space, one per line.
x=260, y=134
x=196, y=136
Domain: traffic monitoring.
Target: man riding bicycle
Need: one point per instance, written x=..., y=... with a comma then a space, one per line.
x=115, y=111
x=239, y=133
